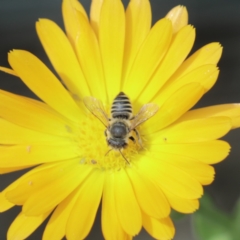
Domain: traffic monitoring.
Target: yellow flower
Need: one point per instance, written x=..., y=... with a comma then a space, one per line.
x=64, y=144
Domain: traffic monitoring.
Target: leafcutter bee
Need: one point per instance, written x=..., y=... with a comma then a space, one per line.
x=121, y=124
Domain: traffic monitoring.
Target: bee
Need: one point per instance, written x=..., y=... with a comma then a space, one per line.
x=122, y=123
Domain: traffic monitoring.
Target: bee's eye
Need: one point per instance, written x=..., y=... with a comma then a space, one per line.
x=118, y=130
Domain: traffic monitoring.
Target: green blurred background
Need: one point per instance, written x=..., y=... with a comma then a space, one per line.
x=215, y=20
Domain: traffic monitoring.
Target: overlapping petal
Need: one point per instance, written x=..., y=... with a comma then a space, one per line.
x=181, y=204
x=228, y=110
x=200, y=171
x=33, y=73
x=112, y=230
x=63, y=58
x=111, y=42
x=86, y=206
x=153, y=48
x=159, y=228
x=138, y=25
x=179, y=17
x=24, y=225
x=33, y=154
x=209, y=152
x=8, y=70
x=12, y=134
x=127, y=207
x=5, y=203
x=64, y=175
x=56, y=227
x=150, y=198
x=205, y=75
x=174, y=106
x=70, y=10
x=33, y=115
x=174, y=57
x=197, y=130
x=208, y=54
x=95, y=12
x=170, y=177
x=88, y=52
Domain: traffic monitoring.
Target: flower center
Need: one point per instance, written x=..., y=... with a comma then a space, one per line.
x=96, y=151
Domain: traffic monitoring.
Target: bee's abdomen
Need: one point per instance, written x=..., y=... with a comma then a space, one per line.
x=121, y=107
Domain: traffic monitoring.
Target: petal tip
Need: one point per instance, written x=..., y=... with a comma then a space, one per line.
x=179, y=17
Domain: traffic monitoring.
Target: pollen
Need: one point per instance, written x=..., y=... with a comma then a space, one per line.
x=95, y=150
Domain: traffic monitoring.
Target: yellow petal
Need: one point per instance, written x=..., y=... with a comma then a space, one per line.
x=56, y=226
x=50, y=195
x=138, y=24
x=111, y=39
x=150, y=198
x=208, y=54
x=85, y=207
x=179, y=17
x=170, y=177
x=89, y=56
x=18, y=191
x=159, y=228
x=13, y=169
x=33, y=184
x=14, y=134
x=33, y=154
x=199, y=130
x=127, y=207
x=70, y=9
x=96, y=7
x=229, y=110
x=209, y=152
x=33, y=115
x=174, y=107
x=111, y=227
x=24, y=225
x=62, y=57
x=42, y=82
x=198, y=170
x=150, y=54
x=205, y=75
x=182, y=205
x=8, y=70
x=4, y=203
x=179, y=49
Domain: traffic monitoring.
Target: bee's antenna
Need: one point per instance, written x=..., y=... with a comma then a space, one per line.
x=120, y=153
x=124, y=157
x=108, y=151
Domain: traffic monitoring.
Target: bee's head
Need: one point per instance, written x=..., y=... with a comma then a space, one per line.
x=118, y=130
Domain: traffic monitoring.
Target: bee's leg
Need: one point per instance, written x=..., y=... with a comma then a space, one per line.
x=124, y=157
x=139, y=138
x=105, y=132
x=132, y=138
x=108, y=151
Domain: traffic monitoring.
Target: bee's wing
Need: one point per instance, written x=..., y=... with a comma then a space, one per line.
x=146, y=112
x=95, y=106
